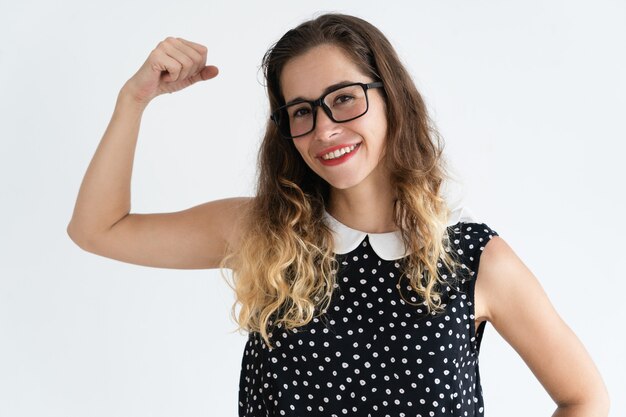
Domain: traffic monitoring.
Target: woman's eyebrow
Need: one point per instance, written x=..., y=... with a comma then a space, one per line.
x=326, y=91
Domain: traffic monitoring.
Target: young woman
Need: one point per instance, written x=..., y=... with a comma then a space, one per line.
x=362, y=291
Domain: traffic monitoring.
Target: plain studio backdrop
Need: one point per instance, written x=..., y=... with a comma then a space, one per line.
x=530, y=98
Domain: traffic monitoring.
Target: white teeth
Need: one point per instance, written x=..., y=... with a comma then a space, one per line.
x=339, y=152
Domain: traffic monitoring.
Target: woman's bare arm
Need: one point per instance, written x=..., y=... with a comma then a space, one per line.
x=521, y=312
x=102, y=222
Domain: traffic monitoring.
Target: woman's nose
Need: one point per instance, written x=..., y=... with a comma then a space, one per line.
x=324, y=124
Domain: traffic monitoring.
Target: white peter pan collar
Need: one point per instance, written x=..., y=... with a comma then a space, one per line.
x=389, y=246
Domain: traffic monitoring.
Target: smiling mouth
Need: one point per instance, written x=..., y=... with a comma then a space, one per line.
x=339, y=152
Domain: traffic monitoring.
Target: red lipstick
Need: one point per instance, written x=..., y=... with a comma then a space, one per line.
x=343, y=158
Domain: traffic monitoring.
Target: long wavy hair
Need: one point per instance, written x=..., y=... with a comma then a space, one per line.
x=284, y=269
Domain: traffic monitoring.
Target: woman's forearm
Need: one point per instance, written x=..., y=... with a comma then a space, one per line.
x=104, y=195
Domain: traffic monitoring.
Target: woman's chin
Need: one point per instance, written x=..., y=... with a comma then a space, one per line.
x=342, y=184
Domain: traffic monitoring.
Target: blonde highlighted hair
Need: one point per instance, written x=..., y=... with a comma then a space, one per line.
x=285, y=269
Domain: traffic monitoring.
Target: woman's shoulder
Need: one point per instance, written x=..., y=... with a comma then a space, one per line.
x=463, y=221
x=469, y=235
x=235, y=216
x=472, y=231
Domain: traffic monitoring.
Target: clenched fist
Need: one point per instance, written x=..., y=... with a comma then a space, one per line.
x=173, y=65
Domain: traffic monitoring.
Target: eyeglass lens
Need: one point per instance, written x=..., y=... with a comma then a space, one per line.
x=345, y=103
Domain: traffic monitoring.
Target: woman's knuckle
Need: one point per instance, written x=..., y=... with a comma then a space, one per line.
x=185, y=61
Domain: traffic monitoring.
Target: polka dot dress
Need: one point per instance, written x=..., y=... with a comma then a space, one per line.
x=371, y=353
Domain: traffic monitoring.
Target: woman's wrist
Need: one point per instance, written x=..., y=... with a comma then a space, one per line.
x=128, y=98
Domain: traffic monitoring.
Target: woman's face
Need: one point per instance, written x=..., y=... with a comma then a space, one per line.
x=307, y=76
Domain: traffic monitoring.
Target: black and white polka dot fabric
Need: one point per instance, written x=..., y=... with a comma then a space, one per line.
x=371, y=353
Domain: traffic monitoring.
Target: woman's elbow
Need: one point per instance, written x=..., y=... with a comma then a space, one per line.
x=595, y=405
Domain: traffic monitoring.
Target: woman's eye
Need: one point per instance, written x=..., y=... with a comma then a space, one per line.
x=300, y=112
x=344, y=98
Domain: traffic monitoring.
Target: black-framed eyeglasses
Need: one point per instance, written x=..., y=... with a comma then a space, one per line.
x=341, y=104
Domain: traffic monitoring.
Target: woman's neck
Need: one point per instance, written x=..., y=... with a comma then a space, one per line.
x=368, y=206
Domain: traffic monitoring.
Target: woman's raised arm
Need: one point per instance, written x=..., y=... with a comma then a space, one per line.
x=102, y=223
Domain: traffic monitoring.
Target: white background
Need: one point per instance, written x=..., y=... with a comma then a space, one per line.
x=530, y=97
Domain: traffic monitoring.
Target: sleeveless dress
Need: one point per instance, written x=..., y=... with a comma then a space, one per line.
x=371, y=353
